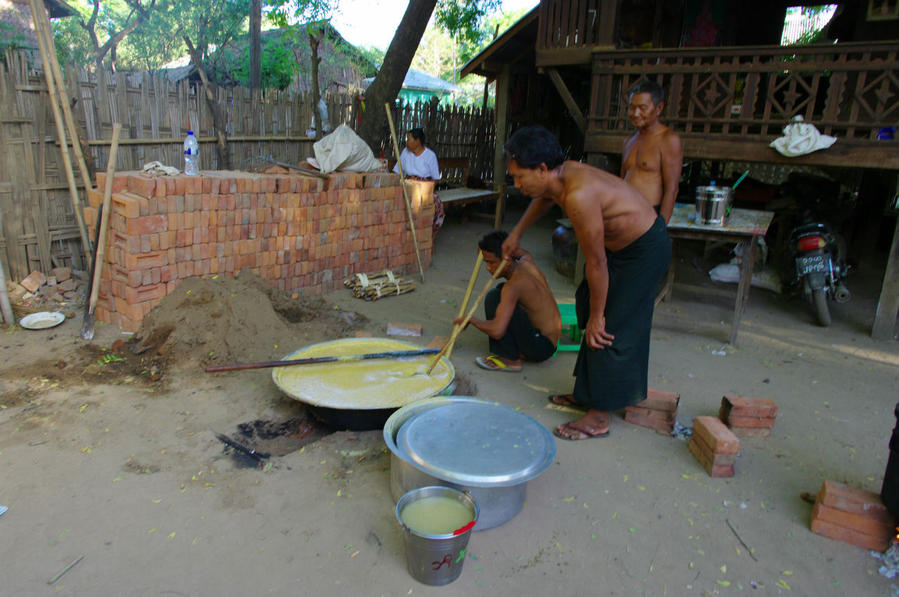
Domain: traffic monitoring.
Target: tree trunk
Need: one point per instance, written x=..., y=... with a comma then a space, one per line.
x=255, y=44
x=218, y=122
x=389, y=80
x=314, y=41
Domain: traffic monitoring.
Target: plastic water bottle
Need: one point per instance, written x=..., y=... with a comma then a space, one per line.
x=191, y=155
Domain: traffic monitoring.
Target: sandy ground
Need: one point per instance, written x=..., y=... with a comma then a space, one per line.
x=120, y=465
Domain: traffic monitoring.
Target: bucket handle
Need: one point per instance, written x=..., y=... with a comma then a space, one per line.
x=464, y=529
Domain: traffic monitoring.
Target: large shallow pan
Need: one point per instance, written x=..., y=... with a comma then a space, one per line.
x=361, y=395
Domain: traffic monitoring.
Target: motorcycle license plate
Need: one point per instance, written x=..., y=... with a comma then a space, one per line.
x=808, y=264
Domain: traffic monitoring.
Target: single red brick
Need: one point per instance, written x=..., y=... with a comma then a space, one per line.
x=746, y=407
x=855, y=501
x=851, y=536
x=657, y=415
x=147, y=225
x=147, y=260
x=94, y=198
x=857, y=522
x=713, y=470
x=716, y=458
x=638, y=418
x=757, y=432
x=141, y=185
x=144, y=293
x=720, y=438
x=756, y=422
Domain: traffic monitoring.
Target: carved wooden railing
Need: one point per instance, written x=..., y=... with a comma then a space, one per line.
x=847, y=90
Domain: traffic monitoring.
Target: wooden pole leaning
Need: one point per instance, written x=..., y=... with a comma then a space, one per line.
x=449, y=345
x=38, y=16
x=87, y=327
x=399, y=163
x=464, y=305
x=63, y=97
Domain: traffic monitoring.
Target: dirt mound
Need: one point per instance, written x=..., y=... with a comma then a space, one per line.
x=229, y=320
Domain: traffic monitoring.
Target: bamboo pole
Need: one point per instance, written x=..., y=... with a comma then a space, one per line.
x=62, y=96
x=449, y=345
x=61, y=132
x=5, y=306
x=399, y=164
x=464, y=305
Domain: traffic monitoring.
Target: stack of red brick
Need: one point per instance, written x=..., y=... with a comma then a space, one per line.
x=748, y=417
x=296, y=232
x=714, y=446
x=853, y=516
x=658, y=412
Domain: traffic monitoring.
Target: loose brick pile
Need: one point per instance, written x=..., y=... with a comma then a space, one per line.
x=658, y=412
x=714, y=446
x=853, y=516
x=296, y=232
x=748, y=417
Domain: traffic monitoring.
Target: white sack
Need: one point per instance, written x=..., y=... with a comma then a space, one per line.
x=344, y=150
x=801, y=138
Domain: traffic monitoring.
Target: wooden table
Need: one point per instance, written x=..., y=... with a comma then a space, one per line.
x=743, y=224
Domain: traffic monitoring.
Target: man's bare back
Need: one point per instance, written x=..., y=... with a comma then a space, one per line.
x=652, y=158
x=590, y=192
x=535, y=297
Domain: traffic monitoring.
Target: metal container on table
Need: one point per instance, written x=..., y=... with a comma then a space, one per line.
x=485, y=448
x=713, y=204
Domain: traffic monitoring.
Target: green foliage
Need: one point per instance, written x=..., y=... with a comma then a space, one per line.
x=374, y=56
x=10, y=39
x=462, y=18
x=278, y=65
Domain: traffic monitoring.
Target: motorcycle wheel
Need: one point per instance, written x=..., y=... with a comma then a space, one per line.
x=822, y=311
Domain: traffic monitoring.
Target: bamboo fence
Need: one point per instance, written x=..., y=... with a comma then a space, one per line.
x=39, y=230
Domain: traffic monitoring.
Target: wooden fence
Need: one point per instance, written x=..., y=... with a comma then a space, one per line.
x=38, y=225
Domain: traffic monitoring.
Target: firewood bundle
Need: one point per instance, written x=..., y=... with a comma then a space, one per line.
x=371, y=287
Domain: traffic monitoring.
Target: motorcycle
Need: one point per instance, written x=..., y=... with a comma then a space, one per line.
x=819, y=252
x=820, y=267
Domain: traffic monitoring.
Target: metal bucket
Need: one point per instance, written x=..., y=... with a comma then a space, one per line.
x=436, y=559
x=713, y=205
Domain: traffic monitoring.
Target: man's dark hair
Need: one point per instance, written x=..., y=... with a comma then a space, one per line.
x=493, y=242
x=654, y=90
x=531, y=146
x=418, y=134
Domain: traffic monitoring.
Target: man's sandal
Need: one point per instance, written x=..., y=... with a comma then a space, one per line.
x=565, y=400
x=568, y=430
x=494, y=363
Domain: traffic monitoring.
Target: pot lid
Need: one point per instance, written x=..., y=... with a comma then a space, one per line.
x=478, y=445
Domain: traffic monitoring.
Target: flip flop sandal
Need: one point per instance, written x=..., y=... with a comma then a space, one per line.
x=564, y=400
x=572, y=428
x=493, y=363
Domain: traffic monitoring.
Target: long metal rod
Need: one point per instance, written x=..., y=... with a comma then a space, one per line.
x=399, y=164
x=315, y=360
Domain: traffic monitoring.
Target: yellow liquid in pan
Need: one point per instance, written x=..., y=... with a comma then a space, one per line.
x=436, y=515
x=365, y=384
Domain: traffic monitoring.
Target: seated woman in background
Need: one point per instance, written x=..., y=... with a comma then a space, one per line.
x=420, y=163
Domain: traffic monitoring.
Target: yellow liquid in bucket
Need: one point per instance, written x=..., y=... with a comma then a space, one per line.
x=436, y=515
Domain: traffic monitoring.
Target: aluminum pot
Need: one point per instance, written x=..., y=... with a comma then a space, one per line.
x=498, y=503
x=713, y=205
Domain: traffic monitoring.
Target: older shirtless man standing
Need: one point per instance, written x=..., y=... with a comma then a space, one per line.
x=652, y=159
x=627, y=251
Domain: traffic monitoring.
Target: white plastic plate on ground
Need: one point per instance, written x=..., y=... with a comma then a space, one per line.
x=42, y=320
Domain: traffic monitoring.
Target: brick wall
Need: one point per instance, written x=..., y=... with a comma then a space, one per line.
x=297, y=232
